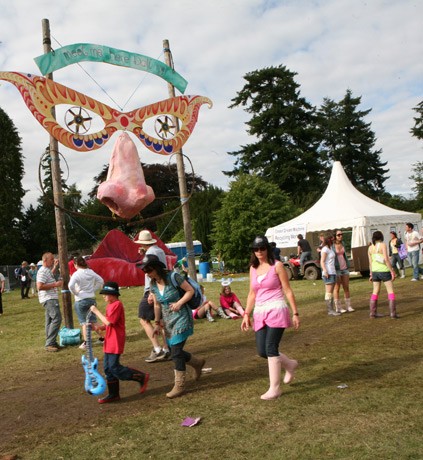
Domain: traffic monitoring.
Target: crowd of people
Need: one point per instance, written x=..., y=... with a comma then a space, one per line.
x=168, y=320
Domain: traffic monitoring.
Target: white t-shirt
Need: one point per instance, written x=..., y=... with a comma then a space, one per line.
x=330, y=260
x=412, y=237
x=45, y=276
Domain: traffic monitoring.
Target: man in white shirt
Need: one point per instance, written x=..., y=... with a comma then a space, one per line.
x=48, y=296
x=146, y=307
x=412, y=241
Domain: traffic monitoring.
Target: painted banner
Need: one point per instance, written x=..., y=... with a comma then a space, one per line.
x=286, y=237
x=78, y=52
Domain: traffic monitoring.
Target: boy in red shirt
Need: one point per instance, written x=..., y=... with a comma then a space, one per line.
x=114, y=344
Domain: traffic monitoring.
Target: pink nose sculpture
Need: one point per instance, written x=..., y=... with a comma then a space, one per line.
x=124, y=191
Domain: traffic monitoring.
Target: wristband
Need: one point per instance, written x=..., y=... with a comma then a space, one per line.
x=296, y=314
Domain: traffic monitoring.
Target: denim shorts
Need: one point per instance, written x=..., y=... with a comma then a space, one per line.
x=82, y=307
x=381, y=276
x=342, y=272
x=331, y=279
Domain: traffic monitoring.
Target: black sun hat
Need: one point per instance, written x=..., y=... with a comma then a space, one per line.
x=260, y=241
x=150, y=260
x=110, y=288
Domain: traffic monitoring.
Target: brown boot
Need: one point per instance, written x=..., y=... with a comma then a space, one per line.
x=197, y=364
x=393, y=308
x=179, y=386
x=113, y=387
x=373, y=309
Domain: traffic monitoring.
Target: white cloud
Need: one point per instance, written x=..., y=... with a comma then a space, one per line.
x=373, y=48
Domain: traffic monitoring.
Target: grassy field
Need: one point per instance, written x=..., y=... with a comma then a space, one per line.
x=45, y=413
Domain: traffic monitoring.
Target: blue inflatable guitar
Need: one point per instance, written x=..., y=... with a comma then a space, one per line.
x=94, y=381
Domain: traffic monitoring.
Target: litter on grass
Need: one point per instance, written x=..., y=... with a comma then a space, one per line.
x=189, y=421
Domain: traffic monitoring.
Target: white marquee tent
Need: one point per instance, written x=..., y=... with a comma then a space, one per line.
x=343, y=206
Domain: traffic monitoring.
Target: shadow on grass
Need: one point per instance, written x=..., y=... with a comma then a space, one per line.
x=358, y=372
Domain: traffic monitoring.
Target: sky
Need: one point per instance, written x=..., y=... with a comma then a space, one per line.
x=374, y=48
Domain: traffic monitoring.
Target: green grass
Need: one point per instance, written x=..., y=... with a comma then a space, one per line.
x=379, y=415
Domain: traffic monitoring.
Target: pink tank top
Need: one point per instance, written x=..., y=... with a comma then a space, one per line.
x=269, y=288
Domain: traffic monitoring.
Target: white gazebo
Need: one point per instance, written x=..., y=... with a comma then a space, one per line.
x=343, y=206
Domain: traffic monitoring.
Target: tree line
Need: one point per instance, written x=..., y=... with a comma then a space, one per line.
x=281, y=173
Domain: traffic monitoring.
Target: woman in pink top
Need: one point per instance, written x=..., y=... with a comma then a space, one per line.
x=268, y=287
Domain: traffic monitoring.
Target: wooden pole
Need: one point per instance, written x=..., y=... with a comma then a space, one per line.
x=56, y=178
x=186, y=218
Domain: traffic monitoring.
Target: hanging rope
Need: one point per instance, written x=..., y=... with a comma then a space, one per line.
x=115, y=218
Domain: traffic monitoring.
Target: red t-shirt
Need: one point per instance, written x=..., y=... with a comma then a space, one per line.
x=114, y=342
x=227, y=301
x=72, y=268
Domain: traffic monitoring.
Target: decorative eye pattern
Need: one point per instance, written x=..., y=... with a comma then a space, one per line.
x=164, y=127
x=77, y=119
x=41, y=94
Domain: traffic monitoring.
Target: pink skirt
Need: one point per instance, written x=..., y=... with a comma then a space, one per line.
x=273, y=313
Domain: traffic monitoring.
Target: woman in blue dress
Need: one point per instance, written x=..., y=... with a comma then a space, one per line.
x=172, y=312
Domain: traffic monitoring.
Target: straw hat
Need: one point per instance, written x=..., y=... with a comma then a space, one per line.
x=144, y=237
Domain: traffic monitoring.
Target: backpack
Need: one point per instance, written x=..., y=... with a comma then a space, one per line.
x=197, y=299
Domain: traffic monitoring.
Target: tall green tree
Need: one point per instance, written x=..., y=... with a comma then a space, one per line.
x=417, y=177
x=250, y=207
x=203, y=206
x=11, y=192
x=346, y=137
x=284, y=124
x=417, y=129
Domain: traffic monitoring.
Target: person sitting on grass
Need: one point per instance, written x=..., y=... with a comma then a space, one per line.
x=207, y=308
x=229, y=301
x=114, y=344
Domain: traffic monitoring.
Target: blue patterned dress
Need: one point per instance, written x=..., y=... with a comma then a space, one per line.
x=178, y=325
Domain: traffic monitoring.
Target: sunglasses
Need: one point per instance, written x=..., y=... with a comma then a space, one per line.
x=339, y=234
x=261, y=249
